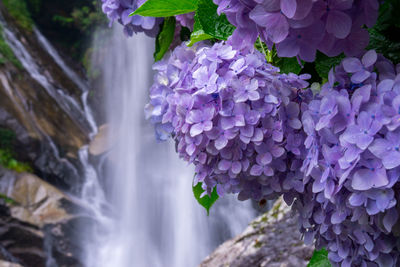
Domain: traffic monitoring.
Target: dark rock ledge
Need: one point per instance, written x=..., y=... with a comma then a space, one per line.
x=271, y=240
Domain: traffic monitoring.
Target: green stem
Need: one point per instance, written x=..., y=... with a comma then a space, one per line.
x=267, y=53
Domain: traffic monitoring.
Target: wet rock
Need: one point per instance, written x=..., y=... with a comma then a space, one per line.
x=101, y=143
x=272, y=240
x=38, y=222
x=8, y=264
x=37, y=202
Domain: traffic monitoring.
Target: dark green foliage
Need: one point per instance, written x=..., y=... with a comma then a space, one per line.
x=184, y=34
x=385, y=35
x=323, y=64
x=286, y=65
x=7, y=138
x=165, y=37
x=84, y=18
x=320, y=259
x=18, y=9
x=205, y=201
x=68, y=24
x=208, y=20
x=166, y=8
x=208, y=25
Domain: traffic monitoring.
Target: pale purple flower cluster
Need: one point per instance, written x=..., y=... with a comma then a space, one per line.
x=352, y=165
x=232, y=115
x=119, y=10
x=301, y=27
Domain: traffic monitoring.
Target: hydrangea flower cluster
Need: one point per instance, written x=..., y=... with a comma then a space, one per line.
x=301, y=27
x=119, y=10
x=352, y=166
x=232, y=115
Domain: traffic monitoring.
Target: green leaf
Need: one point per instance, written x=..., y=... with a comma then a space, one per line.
x=165, y=8
x=208, y=24
x=323, y=64
x=206, y=201
x=198, y=34
x=320, y=259
x=288, y=65
x=165, y=38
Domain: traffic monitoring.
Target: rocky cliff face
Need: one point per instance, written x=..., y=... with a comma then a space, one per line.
x=43, y=102
x=271, y=240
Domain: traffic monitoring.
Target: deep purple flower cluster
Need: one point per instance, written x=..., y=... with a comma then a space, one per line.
x=301, y=27
x=119, y=10
x=352, y=165
x=232, y=115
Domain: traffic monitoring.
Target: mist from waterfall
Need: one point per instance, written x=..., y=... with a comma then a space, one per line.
x=152, y=218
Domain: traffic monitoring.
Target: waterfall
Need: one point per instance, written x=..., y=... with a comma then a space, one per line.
x=73, y=76
x=147, y=215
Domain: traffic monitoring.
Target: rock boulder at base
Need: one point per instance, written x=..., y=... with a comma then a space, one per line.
x=271, y=240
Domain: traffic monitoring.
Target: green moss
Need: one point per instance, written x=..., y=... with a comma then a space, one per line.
x=258, y=244
x=8, y=161
x=6, y=54
x=20, y=12
x=8, y=200
x=7, y=155
x=276, y=210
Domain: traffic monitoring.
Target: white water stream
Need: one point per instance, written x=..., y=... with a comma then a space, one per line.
x=155, y=219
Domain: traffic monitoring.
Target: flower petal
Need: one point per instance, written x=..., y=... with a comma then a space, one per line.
x=339, y=24
x=352, y=64
x=289, y=7
x=363, y=180
x=196, y=129
x=369, y=58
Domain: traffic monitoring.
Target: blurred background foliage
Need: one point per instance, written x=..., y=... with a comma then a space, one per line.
x=68, y=24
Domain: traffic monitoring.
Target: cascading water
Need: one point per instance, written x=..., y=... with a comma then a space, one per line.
x=155, y=220
x=79, y=112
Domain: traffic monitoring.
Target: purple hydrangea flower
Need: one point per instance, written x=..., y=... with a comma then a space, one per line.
x=301, y=27
x=353, y=164
x=235, y=117
x=120, y=10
